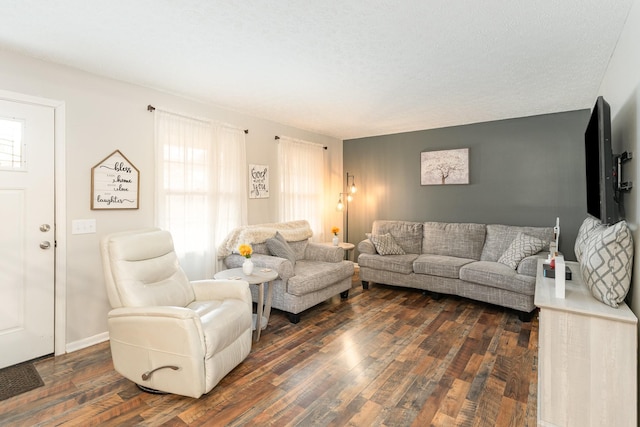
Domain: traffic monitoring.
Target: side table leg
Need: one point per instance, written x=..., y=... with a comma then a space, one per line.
x=267, y=306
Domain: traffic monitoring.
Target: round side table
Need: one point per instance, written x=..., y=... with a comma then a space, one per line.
x=262, y=278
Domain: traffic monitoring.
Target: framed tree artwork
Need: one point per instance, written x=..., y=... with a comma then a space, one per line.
x=444, y=167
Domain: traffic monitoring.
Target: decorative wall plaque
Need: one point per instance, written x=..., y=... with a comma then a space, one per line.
x=258, y=181
x=115, y=183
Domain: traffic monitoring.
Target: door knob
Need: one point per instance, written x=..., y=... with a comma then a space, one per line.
x=45, y=227
x=45, y=245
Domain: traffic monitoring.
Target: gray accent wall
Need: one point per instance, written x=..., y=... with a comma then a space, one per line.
x=524, y=171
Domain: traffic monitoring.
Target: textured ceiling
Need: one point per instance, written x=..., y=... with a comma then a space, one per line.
x=342, y=68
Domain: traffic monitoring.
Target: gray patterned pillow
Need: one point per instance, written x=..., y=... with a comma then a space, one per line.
x=521, y=247
x=588, y=225
x=606, y=263
x=385, y=245
x=279, y=247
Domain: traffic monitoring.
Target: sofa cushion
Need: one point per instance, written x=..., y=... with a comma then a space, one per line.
x=499, y=237
x=312, y=276
x=497, y=275
x=589, y=225
x=385, y=244
x=407, y=234
x=522, y=246
x=299, y=248
x=453, y=239
x=529, y=265
x=392, y=263
x=279, y=247
x=606, y=263
x=439, y=265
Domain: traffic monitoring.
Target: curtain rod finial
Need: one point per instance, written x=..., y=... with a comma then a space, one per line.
x=151, y=108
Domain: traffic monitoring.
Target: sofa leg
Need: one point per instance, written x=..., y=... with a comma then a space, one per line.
x=436, y=296
x=365, y=284
x=344, y=295
x=526, y=317
x=293, y=318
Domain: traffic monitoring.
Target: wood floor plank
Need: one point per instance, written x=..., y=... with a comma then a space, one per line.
x=384, y=357
x=455, y=398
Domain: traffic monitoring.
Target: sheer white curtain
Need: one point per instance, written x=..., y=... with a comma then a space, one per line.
x=200, y=187
x=302, y=183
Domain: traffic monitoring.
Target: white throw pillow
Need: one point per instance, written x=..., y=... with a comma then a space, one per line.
x=606, y=263
x=589, y=225
x=385, y=244
x=521, y=247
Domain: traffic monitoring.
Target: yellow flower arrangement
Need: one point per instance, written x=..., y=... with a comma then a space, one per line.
x=335, y=230
x=245, y=250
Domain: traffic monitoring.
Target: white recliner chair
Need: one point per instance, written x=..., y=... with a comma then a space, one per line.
x=169, y=334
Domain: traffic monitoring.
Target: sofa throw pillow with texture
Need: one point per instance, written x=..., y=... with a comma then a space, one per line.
x=588, y=226
x=521, y=247
x=385, y=244
x=279, y=247
x=606, y=263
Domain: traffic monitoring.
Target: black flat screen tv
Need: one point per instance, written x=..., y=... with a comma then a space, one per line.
x=600, y=168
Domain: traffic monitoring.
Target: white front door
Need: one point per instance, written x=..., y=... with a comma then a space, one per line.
x=27, y=232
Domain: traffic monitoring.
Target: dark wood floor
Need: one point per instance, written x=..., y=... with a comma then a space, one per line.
x=384, y=357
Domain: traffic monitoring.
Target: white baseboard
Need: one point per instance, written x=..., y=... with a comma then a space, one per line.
x=87, y=342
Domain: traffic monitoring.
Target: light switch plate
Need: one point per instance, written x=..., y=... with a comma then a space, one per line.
x=83, y=226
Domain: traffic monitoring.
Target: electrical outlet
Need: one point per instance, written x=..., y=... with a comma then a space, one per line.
x=83, y=226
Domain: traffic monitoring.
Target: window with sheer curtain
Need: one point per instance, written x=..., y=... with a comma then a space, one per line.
x=201, y=187
x=302, y=183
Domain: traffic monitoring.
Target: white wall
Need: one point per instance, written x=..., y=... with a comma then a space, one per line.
x=620, y=87
x=103, y=115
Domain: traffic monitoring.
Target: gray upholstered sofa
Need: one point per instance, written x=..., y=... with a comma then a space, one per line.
x=312, y=274
x=457, y=258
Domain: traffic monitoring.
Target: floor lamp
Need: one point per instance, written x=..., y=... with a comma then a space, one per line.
x=348, y=197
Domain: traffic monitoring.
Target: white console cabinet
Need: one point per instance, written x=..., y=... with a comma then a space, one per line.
x=586, y=357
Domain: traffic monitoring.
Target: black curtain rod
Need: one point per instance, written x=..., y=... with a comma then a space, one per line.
x=152, y=109
x=277, y=138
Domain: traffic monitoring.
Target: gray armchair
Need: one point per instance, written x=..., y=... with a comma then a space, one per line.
x=308, y=273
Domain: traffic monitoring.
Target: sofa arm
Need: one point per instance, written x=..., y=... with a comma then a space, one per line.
x=282, y=266
x=207, y=290
x=366, y=247
x=325, y=253
x=529, y=265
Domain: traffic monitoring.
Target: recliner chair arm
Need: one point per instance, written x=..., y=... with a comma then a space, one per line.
x=144, y=339
x=154, y=311
x=207, y=290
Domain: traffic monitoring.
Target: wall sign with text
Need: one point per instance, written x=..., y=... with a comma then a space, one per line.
x=258, y=181
x=115, y=183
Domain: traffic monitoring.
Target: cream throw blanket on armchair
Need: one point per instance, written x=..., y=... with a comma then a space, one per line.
x=292, y=231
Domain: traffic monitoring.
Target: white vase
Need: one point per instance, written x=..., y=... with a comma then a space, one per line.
x=335, y=240
x=247, y=267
